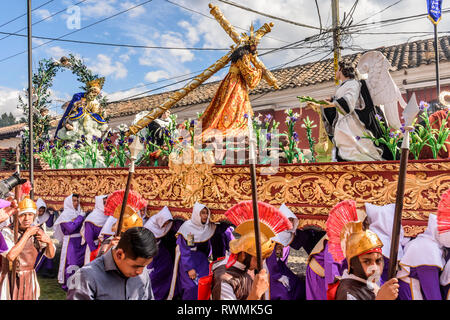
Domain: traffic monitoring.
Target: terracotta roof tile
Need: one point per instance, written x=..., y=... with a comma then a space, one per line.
x=15, y=128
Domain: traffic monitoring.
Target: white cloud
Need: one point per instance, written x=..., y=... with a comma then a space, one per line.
x=98, y=8
x=173, y=39
x=43, y=13
x=154, y=76
x=105, y=67
x=9, y=99
x=57, y=52
x=124, y=57
x=123, y=94
x=134, y=13
x=192, y=33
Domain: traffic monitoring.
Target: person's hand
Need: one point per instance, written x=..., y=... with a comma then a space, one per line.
x=41, y=236
x=259, y=286
x=33, y=230
x=284, y=281
x=115, y=241
x=7, y=212
x=389, y=290
x=329, y=105
x=69, y=127
x=112, y=243
x=192, y=274
x=114, y=226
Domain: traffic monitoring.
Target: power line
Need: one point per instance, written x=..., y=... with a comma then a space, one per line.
x=211, y=18
x=132, y=45
x=377, y=13
x=22, y=15
x=77, y=30
x=296, y=73
x=396, y=20
x=190, y=78
x=46, y=18
x=268, y=15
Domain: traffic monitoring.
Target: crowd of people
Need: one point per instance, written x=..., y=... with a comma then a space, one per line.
x=164, y=258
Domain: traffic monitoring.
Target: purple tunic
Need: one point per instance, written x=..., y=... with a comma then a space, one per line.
x=91, y=232
x=220, y=240
x=428, y=277
x=277, y=268
x=3, y=245
x=317, y=286
x=75, y=251
x=162, y=264
x=45, y=264
x=195, y=257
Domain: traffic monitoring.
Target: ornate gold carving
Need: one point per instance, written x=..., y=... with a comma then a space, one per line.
x=310, y=190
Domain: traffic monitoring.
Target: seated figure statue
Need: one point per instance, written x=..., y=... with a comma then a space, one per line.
x=82, y=115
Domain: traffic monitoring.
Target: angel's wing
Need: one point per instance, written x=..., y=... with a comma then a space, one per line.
x=382, y=88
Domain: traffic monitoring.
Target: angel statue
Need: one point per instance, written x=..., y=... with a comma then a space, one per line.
x=82, y=116
x=357, y=106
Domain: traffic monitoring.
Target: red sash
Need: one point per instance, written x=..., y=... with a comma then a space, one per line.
x=331, y=292
x=95, y=252
x=205, y=283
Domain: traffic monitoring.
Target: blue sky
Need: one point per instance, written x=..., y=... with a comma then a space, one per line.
x=129, y=71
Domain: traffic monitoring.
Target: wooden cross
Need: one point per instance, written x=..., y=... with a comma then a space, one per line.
x=155, y=112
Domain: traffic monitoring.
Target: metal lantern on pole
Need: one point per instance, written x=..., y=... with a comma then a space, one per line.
x=135, y=148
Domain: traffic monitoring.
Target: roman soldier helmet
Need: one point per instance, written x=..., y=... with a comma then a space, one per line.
x=443, y=219
x=346, y=234
x=26, y=204
x=131, y=217
x=271, y=222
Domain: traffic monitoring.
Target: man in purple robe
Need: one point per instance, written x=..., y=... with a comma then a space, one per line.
x=284, y=284
x=321, y=271
x=421, y=264
x=380, y=220
x=45, y=217
x=92, y=226
x=220, y=241
x=67, y=231
x=164, y=228
x=192, y=252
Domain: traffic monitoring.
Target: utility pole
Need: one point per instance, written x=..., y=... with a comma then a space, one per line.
x=336, y=36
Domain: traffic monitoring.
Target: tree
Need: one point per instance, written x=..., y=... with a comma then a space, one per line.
x=7, y=120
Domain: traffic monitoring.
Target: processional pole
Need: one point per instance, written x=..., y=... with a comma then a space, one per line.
x=15, y=227
x=135, y=148
x=409, y=115
x=30, y=101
